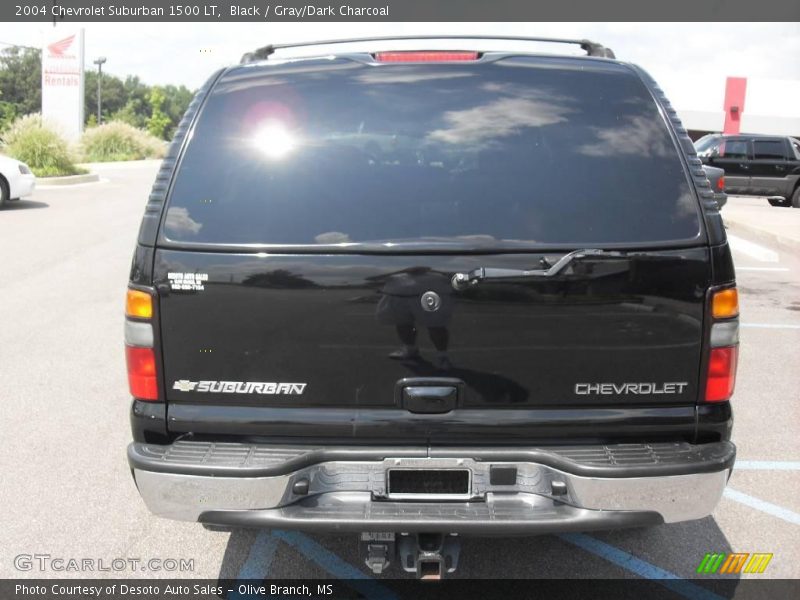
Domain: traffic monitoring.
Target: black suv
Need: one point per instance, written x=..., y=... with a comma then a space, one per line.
x=756, y=165
x=414, y=294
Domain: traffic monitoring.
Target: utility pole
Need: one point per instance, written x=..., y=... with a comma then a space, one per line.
x=99, y=62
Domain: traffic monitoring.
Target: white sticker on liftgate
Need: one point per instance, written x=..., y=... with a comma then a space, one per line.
x=187, y=281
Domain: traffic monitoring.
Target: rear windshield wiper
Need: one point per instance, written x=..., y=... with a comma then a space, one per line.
x=462, y=281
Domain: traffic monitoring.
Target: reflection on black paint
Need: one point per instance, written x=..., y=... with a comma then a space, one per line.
x=279, y=279
x=401, y=306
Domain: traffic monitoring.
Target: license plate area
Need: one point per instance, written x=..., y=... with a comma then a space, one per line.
x=430, y=484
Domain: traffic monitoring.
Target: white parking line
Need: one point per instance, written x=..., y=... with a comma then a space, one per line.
x=768, y=465
x=763, y=506
x=782, y=269
x=752, y=249
x=771, y=325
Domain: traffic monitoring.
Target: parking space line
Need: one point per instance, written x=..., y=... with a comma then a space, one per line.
x=763, y=506
x=335, y=565
x=771, y=325
x=767, y=465
x=639, y=567
x=259, y=559
x=258, y=562
x=752, y=249
x=781, y=269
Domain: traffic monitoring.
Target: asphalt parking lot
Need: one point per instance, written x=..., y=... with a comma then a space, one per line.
x=67, y=492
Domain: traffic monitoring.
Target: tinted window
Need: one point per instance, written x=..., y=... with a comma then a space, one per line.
x=491, y=154
x=771, y=149
x=707, y=146
x=733, y=149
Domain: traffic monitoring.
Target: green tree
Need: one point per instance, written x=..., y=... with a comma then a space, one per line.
x=131, y=114
x=129, y=100
x=21, y=79
x=8, y=113
x=159, y=120
x=113, y=91
x=176, y=102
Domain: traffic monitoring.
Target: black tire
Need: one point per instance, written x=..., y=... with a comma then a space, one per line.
x=796, y=197
x=4, y=193
x=779, y=202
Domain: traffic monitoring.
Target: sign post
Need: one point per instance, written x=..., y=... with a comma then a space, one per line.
x=62, y=81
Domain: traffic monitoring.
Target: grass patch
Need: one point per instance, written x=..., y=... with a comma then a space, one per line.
x=39, y=144
x=116, y=141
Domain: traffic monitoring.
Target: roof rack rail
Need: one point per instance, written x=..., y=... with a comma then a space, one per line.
x=591, y=48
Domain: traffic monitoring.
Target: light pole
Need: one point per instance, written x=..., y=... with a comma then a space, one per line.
x=99, y=62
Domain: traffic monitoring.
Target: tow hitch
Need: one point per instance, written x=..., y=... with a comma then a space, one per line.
x=429, y=555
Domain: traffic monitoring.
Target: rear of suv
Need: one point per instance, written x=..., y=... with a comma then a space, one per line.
x=431, y=293
x=756, y=165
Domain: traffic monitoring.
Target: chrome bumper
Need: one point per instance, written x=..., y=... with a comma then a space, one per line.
x=352, y=495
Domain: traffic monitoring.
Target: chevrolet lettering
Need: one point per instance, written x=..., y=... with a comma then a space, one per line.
x=608, y=389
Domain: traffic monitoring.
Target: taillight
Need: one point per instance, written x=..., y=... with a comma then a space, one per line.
x=142, y=379
x=724, y=342
x=139, y=353
x=721, y=374
x=138, y=304
x=426, y=56
x=725, y=304
x=721, y=184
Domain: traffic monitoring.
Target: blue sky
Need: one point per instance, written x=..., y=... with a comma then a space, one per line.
x=686, y=58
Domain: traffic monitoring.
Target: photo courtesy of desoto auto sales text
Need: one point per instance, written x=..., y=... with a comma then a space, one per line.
x=399, y=299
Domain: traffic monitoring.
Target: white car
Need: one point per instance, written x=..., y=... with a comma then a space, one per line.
x=16, y=180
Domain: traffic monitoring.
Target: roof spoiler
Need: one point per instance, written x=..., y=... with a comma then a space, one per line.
x=591, y=48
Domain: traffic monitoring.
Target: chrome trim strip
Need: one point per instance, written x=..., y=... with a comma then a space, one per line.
x=186, y=497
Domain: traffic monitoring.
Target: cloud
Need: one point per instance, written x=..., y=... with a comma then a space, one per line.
x=499, y=118
x=179, y=221
x=639, y=136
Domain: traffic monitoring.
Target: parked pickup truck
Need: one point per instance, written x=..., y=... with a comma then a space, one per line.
x=413, y=294
x=756, y=165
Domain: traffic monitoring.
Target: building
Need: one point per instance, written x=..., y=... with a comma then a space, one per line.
x=742, y=105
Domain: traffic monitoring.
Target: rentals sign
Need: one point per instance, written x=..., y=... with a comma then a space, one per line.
x=62, y=80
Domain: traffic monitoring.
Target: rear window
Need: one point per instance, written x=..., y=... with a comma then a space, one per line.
x=486, y=154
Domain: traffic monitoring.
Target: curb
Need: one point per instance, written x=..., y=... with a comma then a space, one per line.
x=122, y=164
x=787, y=244
x=67, y=180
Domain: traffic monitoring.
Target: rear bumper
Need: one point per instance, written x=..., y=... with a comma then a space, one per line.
x=575, y=488
x=23, y=186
